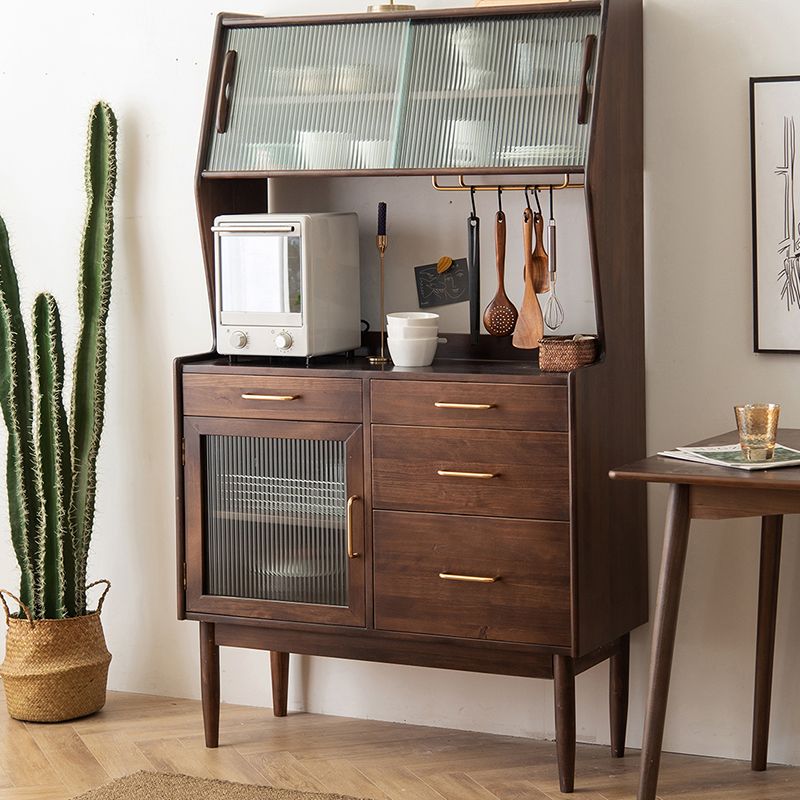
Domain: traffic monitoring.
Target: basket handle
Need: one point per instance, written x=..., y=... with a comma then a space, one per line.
x=102, y=596
x=19, y=602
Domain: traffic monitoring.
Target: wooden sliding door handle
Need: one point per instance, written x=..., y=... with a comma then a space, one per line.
x=588, y=56
x=224, y=96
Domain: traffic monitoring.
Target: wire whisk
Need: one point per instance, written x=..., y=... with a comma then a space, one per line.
x=554, y=311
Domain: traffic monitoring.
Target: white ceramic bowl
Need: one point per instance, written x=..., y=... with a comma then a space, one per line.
x=403, y=318
x=412, y=352
x=416, y=334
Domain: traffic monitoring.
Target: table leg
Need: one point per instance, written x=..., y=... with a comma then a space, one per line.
x=676, y=539
x=619, y=678
x=209, y=683
x=771, y=534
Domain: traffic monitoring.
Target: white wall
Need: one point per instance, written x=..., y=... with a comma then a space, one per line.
x=149, y=61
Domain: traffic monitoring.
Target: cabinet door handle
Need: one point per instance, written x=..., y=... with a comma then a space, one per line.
x=224, y=96
x=350, y=501
x=277, y=397
x=466, y=406
x=588, y=53
x=449, y=576
x=446, y=473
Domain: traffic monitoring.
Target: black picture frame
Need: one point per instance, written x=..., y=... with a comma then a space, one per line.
x=755, y=170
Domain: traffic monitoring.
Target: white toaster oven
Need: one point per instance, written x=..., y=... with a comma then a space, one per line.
x=287, y=284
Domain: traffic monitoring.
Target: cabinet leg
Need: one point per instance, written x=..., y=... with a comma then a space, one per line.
x=564, y=674
x=771, y=535
x=619, y=672
x=209, y=683
x=279, y=666
x=673, y=561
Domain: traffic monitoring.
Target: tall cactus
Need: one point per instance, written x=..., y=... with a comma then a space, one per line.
x=51, y=467
x=94, y=298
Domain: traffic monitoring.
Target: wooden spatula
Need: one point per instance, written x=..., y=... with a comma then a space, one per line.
x=541, y=274
x=500, y=315
x=530, y=325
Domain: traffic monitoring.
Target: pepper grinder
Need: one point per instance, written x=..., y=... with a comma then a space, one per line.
x=381, y=240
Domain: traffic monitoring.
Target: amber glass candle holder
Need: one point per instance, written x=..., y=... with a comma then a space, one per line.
x=758, y=429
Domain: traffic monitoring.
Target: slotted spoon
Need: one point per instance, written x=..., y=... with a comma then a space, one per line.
x=500, y=316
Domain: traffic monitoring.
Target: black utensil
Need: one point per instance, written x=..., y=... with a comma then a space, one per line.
x=474, y=262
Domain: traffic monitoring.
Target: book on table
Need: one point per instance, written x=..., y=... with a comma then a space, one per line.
x=731, y=455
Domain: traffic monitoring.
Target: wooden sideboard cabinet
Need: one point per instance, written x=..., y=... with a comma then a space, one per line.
x=458, y=516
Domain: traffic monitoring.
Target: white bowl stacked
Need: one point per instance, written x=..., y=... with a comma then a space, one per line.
x=413, y=338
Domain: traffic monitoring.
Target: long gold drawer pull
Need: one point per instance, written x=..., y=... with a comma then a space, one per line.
x=446, y=473
x=448, y=576
x=281, y=397
x=466, y=406
x=350, y=501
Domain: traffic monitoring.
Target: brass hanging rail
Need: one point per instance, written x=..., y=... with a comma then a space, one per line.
x=463, y=186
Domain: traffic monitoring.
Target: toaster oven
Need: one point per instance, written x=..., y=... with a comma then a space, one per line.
x=287, y=284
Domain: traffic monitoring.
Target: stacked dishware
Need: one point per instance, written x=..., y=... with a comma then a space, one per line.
x=413, y=338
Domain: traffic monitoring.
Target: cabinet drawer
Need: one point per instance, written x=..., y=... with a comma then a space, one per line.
x=257, y=397
x=486, y=472
x=470, y=405
x=525, y=594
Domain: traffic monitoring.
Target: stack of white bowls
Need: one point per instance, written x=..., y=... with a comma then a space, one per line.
x=413, y=338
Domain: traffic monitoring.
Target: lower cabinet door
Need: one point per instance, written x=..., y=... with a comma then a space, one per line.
x=275, y=520
x=472, y=577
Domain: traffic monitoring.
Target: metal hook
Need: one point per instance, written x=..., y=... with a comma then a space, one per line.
x=551, y=202
x=500, y=199
x=536, y=197
x=528, y=199
x=472, y=200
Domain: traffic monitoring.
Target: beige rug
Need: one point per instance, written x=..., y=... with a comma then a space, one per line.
x=163, y=786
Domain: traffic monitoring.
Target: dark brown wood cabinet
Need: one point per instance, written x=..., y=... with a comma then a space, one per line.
x=458, y=516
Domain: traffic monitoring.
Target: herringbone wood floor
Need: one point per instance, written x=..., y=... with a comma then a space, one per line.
x=316, y=753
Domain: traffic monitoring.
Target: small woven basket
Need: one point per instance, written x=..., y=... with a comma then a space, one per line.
x=54, y=669
x=565, y=353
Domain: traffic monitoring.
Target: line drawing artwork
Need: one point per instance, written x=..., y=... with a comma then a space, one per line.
x=789, y=274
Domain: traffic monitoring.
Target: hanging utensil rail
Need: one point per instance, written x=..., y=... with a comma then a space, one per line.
x=463, y=186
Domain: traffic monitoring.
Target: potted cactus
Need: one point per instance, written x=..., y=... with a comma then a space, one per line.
x=56, y=662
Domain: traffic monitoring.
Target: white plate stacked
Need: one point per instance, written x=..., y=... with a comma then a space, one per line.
x=413, y=338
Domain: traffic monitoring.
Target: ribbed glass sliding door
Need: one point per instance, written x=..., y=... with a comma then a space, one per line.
x=276, y=526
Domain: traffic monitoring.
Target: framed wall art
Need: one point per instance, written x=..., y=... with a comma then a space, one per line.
x=774, y=134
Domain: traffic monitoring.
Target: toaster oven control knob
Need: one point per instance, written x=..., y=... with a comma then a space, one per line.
x=283, y=341
x=238, y=339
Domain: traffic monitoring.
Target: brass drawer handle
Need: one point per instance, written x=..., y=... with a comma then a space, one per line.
x=466, y=406
x=449, y=576
x=281, y=397
x=446, y=473
x=350, y=501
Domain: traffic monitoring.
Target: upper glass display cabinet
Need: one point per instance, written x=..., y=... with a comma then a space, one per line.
x=416, y=95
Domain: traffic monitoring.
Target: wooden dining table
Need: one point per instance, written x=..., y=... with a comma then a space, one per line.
x=701, y=491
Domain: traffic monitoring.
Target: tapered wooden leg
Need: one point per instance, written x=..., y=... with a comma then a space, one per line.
x=564, y=674
x=209, y=683
x=673, y=561
x=619, y=672
x=279, y=665
x=771, y=535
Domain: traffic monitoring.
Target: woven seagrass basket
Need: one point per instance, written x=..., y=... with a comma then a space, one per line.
x=54, y=669
x=566, y=353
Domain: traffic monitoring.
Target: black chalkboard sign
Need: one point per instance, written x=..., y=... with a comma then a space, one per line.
x=434, y=289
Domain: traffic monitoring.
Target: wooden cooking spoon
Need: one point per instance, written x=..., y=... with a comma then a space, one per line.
x=530, y=326
x=541, y=275
x=500, y=315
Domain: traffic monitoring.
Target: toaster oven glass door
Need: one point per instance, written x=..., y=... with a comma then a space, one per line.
x=260, y=278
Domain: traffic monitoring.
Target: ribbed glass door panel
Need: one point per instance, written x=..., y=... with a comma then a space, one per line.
x=275, y=525
x=313, y=97
x=500, y=92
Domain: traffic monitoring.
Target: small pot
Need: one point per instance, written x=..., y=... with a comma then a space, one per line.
x=55, y=669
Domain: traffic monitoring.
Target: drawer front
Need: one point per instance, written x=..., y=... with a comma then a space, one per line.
x=470, y=405
x=524, y=594
x=257, y=397
x=486, y=472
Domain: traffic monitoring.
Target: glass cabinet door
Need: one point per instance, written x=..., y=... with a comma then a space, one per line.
x=275, y=529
